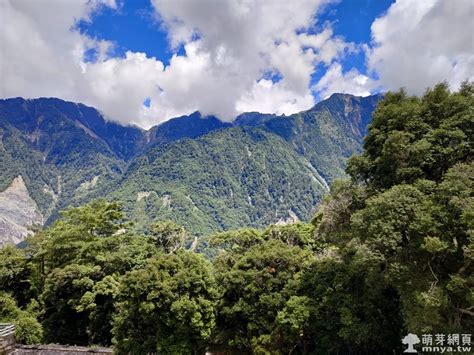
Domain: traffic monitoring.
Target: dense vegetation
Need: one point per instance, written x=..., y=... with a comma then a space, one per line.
x=240, y=176
x=206, y=175
x=388, y=252
x=52, y=146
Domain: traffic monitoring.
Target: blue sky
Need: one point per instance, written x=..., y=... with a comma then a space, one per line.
x=145, y=61
x=131, y=27
x=134, y=28
x=352, y=20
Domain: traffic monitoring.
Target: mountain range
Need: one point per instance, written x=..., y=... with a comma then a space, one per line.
x=203, y=173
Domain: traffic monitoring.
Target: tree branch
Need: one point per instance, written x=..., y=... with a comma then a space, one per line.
x=466, y=311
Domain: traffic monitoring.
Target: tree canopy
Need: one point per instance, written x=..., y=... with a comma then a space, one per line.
x=387, y=253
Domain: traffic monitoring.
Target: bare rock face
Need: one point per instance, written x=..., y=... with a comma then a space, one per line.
x=290, y=219
x=18, y=211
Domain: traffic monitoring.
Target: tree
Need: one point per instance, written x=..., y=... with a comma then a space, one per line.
x=168, y=235
x=410, y=203
x=257, y=283
x=15, y=274
x=351, y=306
x=412, y=138
x=82, y=258
x=61, y=243
x=27, y=328
x=166, y=307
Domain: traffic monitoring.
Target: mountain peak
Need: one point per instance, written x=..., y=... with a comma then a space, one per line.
x=59, y=147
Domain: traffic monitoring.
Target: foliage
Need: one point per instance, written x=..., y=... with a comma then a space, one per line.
x=82, y=257
x=413, y=138
x=16, y=274
x=410, y=204
x=168, y=235
x=387, y=253
x=257, y=273
x=27, y=329
x=166, y=307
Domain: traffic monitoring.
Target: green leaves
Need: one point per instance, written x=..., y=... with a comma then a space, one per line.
x=169, y=305
x=411, y=138
x=257, y=281
x=434, y=245
x=168, y=235
x=27, y=329
x=415, y=214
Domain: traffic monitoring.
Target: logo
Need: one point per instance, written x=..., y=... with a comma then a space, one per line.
x=438, y=343
x=410, y=340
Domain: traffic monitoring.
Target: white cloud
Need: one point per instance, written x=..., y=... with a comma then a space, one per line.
x=234, y=45
x=38, y=50
x=40, y=53
x=230, y=49
x=351, y=82
x=417, y=44
x=269, y=97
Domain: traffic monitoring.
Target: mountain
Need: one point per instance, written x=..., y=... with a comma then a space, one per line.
x=192, y=126
x=59, y=149
x=42, y=118
x=241, y=176
x=194, y=169
x=327, y=134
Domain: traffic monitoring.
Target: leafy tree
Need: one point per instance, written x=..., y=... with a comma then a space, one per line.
x=82, y=258
x=78, y=226
x=412, y=138
x=15, y=273
x=257, y=275
x=27, y=328
x=166, y=307
x=63, y=289
x=350, y=308
x=168, y=235
x=410, y=204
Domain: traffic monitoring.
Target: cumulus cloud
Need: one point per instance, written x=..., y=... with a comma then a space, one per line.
x=269, y=97
x=40, y=54
x=230, y=56
x=232, y=50
x=236, y=45
x=417, y=44
x=351, y=82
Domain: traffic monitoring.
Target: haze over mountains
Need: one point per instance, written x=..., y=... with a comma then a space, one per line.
x=199, y=171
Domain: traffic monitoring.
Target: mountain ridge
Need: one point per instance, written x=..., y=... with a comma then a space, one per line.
x=68, y=153
x=239, y=120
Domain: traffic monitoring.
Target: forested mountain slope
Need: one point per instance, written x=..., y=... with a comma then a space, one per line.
x=59, y=149
x=327, y=134
x=226, y=179
x=68, y=153
x=388, y=252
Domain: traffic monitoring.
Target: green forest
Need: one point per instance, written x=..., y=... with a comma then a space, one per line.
x=388, y=252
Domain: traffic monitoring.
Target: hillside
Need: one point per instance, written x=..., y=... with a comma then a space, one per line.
x=67, y=154
x=327, y=134
x=59, y=149
x=226, y=179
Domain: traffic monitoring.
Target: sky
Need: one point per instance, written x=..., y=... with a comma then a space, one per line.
x=143, y=62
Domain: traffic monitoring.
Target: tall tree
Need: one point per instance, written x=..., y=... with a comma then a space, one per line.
x=167, y=307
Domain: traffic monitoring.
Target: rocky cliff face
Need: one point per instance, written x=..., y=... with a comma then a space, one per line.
x=18, y=212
